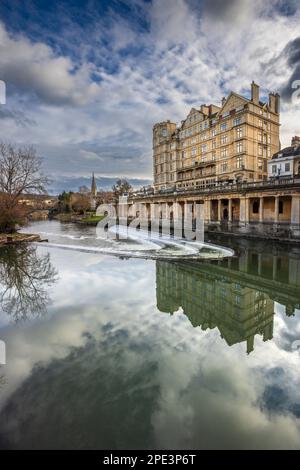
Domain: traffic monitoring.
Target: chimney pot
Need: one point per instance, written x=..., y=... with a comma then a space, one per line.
x=254, y=92
x=295, y=141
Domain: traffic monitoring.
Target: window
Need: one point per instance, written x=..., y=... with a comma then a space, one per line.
x=224, y=167
x=203, y=148
x=239, y=147
x=260, y=123
x=260, y=150
x=224, y=152
x=274, y=169
x=260, y=164
x=237, y=121
x=240, y=162
x=259, y=136
x=214, y=132
x=213, y=155
x=194, y=151
x=224, y=139
x=239, y=132
x=287, y=167
x=223, y=126
x=183, y=154
x=164, y=132
x=214, y=144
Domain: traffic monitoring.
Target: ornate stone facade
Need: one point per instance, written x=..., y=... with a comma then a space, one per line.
x=231, y=142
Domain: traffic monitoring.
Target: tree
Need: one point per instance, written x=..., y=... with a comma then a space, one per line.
x=64, y=202
x=80, y=202
x=121, y=187
x=25, y=276
x=19, y=174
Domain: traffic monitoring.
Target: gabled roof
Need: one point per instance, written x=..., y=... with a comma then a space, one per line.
x=293, y=151
x=231, y=95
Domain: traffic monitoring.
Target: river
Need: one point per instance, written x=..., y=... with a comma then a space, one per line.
x=119, y=352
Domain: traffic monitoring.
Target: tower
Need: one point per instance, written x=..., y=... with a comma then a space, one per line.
x=94, y=186
x=93, y=192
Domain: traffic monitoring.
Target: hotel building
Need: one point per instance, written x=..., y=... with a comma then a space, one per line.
x=214, y=144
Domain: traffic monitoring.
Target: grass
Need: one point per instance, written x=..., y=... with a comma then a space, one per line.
x=93, y=219
x=64, y=217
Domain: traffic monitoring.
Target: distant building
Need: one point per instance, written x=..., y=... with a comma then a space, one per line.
x=84, y=189
x=94, y=186
x=286, y=162
x=227, y=143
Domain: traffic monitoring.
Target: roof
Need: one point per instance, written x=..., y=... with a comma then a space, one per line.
x=292, y=151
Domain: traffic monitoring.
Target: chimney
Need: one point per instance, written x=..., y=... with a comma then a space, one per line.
x=296, y=141
x=272, y=102
x=277, y=103
x=254, y=92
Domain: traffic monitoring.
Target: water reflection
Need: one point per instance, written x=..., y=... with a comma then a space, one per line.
x=108, y=370
x=25, y=277
x=236, y=295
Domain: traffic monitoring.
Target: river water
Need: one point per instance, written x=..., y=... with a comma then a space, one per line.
x=121, y=352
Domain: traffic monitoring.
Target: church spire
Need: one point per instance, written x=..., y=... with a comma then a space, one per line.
x=94, y=187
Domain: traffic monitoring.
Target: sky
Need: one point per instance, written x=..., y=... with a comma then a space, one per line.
x=86, y=80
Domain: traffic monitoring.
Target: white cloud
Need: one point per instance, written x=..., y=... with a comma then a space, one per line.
x=185, y=57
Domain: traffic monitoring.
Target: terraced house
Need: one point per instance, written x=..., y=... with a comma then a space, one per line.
x=228, y=143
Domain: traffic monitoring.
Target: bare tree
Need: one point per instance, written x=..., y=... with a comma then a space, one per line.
x=25, y=276
x=20, y=173
x=121, y=187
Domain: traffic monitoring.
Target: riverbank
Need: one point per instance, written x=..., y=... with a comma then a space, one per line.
x=90, y=219
x=16, y=238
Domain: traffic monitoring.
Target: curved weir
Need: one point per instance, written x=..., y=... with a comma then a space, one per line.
x=134, y=243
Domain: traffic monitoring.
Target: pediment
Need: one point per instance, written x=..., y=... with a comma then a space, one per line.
x=233, y=101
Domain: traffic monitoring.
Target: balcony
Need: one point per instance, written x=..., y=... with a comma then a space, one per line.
x=197, y=165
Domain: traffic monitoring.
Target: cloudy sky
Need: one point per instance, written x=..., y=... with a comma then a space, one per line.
x=86, y=80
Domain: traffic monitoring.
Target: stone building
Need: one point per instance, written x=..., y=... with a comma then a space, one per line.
x=286, y=162
x=227, y=143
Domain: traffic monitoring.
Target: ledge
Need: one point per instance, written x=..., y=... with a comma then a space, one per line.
x=17, y=238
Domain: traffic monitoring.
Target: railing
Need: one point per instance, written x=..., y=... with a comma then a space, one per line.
x=234, y=187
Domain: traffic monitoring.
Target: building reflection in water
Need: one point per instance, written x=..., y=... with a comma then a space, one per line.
x=236, y=295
